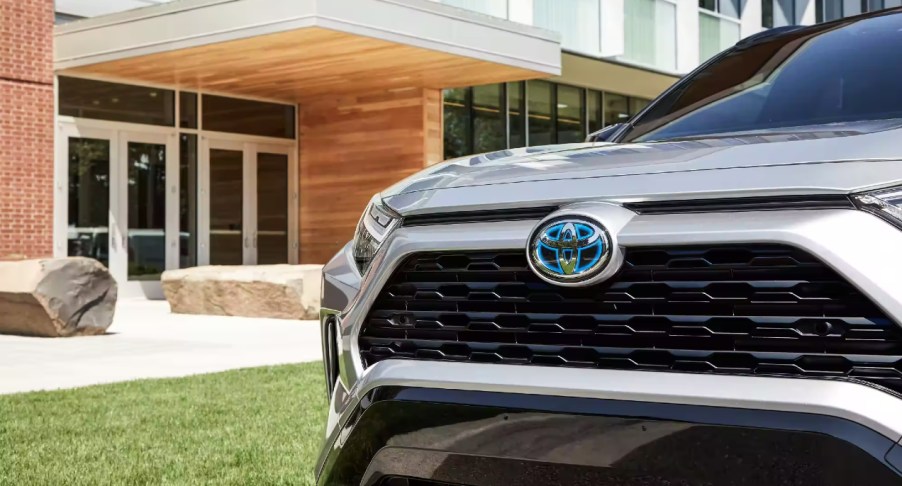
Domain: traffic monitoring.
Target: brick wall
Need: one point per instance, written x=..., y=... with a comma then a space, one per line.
x=26, y=128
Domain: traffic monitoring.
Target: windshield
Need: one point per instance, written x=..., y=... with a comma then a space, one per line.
x=844, y=71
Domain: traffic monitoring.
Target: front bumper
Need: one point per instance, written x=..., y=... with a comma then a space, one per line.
x=864, y=418
x=458, y=422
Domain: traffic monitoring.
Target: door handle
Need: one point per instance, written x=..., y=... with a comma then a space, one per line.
x=255, y=239
x=245, y=241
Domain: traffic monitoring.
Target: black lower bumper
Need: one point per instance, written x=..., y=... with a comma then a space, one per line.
x=407, y=435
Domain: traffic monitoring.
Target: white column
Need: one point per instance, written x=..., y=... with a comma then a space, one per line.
x=805, y=12
x=750, y=18
x=612, y=28
x=687, y=35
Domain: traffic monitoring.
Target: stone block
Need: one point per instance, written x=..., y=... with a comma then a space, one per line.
x=279, y=291
x=56, y=297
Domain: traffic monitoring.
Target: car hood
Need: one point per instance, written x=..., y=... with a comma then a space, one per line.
x=830, y=160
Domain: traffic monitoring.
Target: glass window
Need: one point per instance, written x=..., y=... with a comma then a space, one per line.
x=89, y=199
x=86, y=98
x=655, y=16
x=516, y=114
x=595, y=110
x=637, y=105
x=578, y=21
x=541, y=128
x=730, y=8
x=146, y=163
x=616, y=109
x=871, y=5
x=456, y=118
x=226, y=207
x=271, y=238
x=810, y=77
x=187, y=200
x=495, y=8
x=488, y=118
x=827, y=10
x=187, y=109
x=715, y=35
x=233, y=115
x=778, y=13
x=767, y=14
x=784, y=12
x=571, y=126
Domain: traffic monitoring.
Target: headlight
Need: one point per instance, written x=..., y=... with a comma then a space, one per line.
x=377, y=222
x=886, y=203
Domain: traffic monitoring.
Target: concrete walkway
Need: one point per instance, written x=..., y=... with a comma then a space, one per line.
x=147, y=341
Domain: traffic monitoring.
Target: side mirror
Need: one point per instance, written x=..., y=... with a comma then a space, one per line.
x=605, y=133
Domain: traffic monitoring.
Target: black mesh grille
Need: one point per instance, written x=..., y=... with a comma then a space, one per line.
x=772, y=310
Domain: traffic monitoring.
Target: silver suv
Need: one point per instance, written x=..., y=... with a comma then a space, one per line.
x=711, y=296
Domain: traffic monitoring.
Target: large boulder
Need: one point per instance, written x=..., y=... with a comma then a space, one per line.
x=280, y=291
x=56, y=297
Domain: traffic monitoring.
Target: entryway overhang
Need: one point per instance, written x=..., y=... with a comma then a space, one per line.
x=305, y=49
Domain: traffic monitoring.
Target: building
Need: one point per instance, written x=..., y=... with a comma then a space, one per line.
x=612, y=64
x=154, y=135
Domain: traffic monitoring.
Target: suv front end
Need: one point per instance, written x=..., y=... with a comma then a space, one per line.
x=683, y=310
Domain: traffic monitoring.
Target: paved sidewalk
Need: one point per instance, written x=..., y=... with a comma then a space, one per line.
x=147, y=341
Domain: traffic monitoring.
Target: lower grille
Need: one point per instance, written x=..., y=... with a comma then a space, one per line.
x=751, y=309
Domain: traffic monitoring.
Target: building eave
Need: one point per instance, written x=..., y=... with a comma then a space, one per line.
x=524, y=51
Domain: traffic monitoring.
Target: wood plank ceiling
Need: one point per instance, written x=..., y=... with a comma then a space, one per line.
x=306, y=64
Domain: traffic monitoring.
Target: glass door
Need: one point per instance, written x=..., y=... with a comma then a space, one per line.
x=247, y=216
x=84, y=213
x=271, y=241
x=117, y=202
x=228, y=241
x=148, y=212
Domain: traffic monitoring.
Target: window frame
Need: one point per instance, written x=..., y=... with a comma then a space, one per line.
x=719, y=11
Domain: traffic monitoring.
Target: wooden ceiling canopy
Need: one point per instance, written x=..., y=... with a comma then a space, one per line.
x=304, y=64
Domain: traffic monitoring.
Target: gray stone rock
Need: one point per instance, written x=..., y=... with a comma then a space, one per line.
x=279, y=291
x=56, y=297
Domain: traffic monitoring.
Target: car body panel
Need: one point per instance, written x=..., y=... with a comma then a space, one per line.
x=789, y=179
x=404, y=414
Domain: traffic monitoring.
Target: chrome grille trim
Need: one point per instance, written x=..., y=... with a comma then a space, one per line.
x=865, y=252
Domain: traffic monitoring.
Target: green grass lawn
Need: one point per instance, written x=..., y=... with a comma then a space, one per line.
x=254, y=426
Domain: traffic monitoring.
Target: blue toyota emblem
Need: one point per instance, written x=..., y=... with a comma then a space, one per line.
x=569, y=249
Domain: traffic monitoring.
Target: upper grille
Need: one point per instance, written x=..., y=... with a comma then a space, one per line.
x=751, y=309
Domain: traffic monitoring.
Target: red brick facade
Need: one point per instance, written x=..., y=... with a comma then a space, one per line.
x=26, y=128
